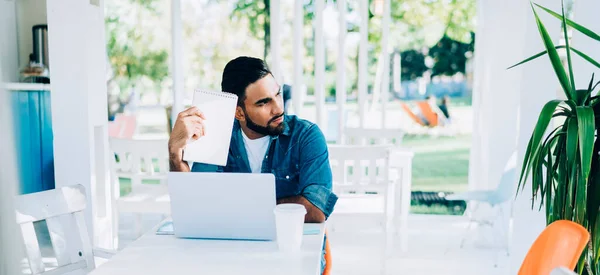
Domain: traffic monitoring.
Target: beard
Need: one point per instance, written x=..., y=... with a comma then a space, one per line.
x=268, y=130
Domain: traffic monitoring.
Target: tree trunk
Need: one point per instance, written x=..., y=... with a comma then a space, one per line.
x=267, y=28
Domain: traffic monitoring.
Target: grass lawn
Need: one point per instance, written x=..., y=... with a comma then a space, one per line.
x=440, y=164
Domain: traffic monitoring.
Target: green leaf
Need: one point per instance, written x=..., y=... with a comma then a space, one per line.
x=572, y=140
x=586, y=125
x=569, y=209
x=536, y=137
x=529, y=59
x=569, y=64
x=589, y=33
x=580, y=202
x=554, y=57
x=578, y=52
x=562, y=182
x=586, y=57
x=549, y=181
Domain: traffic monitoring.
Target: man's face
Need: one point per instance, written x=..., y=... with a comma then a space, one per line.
x=263, y=107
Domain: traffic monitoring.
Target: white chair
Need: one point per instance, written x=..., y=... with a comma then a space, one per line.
x=367, y=191
x=141, y=160
x=62, y=209
x=362, y=136
x=494, y=198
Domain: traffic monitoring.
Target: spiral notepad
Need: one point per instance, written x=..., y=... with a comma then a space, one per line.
x=219, y=111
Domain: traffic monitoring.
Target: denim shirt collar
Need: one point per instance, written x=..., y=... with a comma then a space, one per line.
x=238, y=141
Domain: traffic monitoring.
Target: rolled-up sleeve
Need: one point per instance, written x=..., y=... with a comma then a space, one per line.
x=202, y=167
x=315, y=172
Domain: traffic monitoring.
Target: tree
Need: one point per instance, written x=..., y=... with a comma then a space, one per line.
x=449, y=56
x=258, y=14
x=133, y=55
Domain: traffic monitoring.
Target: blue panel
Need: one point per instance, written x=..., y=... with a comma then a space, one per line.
x=24, y=152
x=33, y=140
x=47, y=156
x=18, y=136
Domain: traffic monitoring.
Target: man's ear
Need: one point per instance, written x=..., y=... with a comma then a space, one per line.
x=239, y=114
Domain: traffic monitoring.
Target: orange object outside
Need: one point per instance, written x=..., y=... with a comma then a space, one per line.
x=327, y=270
x=428, y=113
x=559, y=245
x=411, y=114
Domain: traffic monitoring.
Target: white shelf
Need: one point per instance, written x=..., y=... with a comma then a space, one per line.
x=25, y=86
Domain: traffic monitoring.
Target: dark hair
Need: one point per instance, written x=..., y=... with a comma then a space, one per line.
x=239, y=73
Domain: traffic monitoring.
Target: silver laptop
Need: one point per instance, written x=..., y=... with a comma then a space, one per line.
x=223, y=205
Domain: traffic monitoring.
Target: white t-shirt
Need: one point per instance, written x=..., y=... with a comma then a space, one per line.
x=256, y=150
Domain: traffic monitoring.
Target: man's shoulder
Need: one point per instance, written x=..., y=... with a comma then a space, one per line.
x=298, y=125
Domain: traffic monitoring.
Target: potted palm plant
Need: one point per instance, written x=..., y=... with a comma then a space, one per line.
x=564, y=164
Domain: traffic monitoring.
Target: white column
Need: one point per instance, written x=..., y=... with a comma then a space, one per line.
x=8, y=41
x=298, y=47
x=537, y=85
x=362, y=60
x=583, y=15
x=385, y=55
x=9, y=238
x=79, y=108
x=397, y=72
x=275, y=42
x=177, y=71
x=506, y=105
x=340, y=93
x=319, y=63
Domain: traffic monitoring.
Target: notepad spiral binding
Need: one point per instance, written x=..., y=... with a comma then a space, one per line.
x=221, y=94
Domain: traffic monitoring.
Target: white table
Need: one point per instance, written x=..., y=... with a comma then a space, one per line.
x=168, y=255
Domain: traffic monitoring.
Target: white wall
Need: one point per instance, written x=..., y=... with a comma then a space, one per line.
x=8, y=41
x=583, y=70
x=29, y=14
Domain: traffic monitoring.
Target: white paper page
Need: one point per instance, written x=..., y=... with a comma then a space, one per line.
x=219, y=111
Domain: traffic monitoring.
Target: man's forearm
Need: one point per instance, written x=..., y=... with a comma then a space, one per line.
x=313, y=214
x=176, y=163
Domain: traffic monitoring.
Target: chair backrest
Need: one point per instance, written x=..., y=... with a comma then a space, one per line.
x=508, y=182
x=410, y=114
x=62, y=209
x=430, y=115
x=562, y=271
x=361, y=136
x=360, y=169
x=559, y=245
x=124, y=126
x=140, y=159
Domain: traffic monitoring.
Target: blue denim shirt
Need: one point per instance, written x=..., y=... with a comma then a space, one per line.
x=298, y=158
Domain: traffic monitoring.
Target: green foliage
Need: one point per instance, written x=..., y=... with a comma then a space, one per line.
x=128, y=49
x=413, y=64
x=449, y=56
x=569, y=154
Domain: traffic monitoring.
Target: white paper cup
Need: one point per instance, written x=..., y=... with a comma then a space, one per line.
x=289, y=220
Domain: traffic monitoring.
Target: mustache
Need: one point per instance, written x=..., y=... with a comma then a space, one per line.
x=274, y=118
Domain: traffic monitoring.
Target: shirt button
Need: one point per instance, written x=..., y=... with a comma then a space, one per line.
x=287, y=177
x=267, y=157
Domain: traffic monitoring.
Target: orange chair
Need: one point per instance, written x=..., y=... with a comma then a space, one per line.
x=430, y=115
x=412, y=115
x=560, y=244
x=327, y=270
